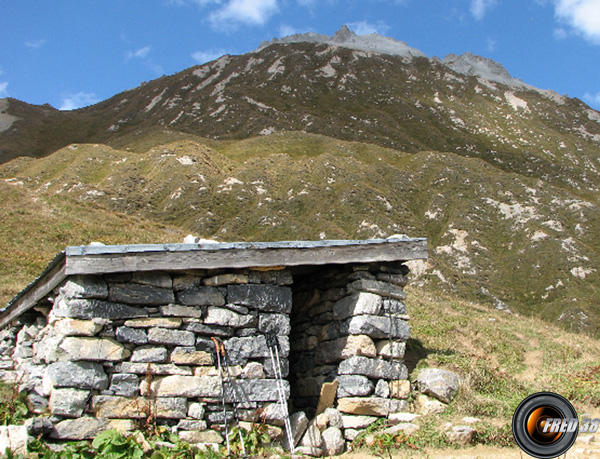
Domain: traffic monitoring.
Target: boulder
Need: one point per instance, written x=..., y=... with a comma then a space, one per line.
x=204, y=436
x=227, y=318
x=278, y=324
x=441, y=384
x=461, y=435
x=400, y=388
x=426, y=405
x=187, y=386
x=391, y=349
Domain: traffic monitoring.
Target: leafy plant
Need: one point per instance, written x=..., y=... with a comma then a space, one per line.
x=112, y=444
x=13, y=407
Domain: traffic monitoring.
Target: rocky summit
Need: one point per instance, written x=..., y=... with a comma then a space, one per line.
x=313, y=137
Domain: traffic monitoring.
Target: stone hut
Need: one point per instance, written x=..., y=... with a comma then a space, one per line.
x=114, y=336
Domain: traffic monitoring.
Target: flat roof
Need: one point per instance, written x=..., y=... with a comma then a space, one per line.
x=102, y=259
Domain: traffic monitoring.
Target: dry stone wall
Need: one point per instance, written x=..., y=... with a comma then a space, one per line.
x=116, y=350
x=350, y=325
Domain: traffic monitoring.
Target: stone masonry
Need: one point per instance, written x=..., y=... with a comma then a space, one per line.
x=120, y=350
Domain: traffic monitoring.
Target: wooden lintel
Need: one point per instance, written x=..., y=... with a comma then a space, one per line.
x=44, y=285
x=245, y=258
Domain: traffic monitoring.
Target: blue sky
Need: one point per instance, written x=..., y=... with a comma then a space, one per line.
x=72, y=53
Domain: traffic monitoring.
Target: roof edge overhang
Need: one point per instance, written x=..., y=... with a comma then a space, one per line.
x=104, y=259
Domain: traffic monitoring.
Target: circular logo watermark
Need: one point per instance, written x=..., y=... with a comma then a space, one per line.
x=545, y=425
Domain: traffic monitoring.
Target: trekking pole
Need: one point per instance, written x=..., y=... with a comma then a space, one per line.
x=273, y=345
x=227, y=384
x=218, y=347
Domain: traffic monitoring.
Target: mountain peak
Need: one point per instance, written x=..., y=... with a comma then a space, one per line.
x=348, y=39
x=471, y=64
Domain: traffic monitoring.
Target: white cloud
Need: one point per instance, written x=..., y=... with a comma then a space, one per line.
x=186, y=2
x=35, y=44
x=560, y=33
x=251, y=12
x=491, y=44
x=3, y=86
x=81, y=99
x=365, y=28
x=480, y=7
x=286, y=30
x=592, y=99
x=582, y=15
x=139, y=54
x=206, y=56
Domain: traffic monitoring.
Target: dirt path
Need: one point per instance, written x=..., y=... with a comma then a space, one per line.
x=580, y=450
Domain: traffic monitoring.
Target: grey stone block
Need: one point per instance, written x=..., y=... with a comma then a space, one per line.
x=373, y=368
x=173, y=337
x=131, y=335
x=225, y=317
x=155, y=354
x=354, y=386
x=377, y=287
x=140, y=294
x=124, y=384
x=177, y=310
x=201, y=296
x=90, y=309
x=68, y=402
x=208, y=330
x=84, y=287
x=392, y=306
x=264, y=297
x=154, y=278
x=240, y=349
x=356, y=304
x=278, y=324
x=377, y=327
x=83, y=375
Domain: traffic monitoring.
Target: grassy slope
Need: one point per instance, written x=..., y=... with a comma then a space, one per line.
x=35, y=228
x=494, y=236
